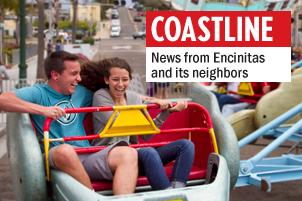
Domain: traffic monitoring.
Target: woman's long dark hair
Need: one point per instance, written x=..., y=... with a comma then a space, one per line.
x=92, y=76
x=93, y=73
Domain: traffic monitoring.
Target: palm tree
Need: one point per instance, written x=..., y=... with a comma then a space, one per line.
x=6, y=5
x=74, y=20
x=41, y=43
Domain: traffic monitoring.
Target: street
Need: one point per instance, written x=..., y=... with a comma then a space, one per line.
x=131, y=50
x=125, y=46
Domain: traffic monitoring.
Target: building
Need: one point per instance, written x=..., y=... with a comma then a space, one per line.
x=297, y=26
x=90, y=12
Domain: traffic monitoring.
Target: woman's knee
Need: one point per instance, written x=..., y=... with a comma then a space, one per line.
x=148, y=153
x=187, y=145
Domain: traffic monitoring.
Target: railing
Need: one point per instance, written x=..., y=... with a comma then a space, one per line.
x=159, y=89
x=169, y=90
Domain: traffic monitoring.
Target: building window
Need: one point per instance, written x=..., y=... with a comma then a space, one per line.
x=299, y=23
x=195, y=1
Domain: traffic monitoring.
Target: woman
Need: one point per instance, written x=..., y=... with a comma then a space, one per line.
x=117, y=76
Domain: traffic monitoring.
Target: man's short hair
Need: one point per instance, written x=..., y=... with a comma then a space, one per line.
x=55, y=62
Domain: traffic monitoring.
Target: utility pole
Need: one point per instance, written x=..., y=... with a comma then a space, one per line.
x=74, y=20
x=1, y=41
x=22, y=65
x=41, y=42
x=56, y=5
x=50, y=21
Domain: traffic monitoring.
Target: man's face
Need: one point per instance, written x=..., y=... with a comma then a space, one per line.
x=69, y=78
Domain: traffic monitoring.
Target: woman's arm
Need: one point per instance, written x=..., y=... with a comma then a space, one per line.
x=163, y=115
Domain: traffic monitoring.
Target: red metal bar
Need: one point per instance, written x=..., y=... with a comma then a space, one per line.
x=85, y=150
x=101, y=109
x=109, y=108
x=167, y=131
x=87, y=110
x=47, y=123
x=87, y=137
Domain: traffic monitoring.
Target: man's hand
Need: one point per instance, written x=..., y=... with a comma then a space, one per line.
x=54, y=112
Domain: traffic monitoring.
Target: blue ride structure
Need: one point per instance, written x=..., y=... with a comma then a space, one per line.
x=261, y=171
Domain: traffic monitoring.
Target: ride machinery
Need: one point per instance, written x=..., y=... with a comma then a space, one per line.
x=215, y=168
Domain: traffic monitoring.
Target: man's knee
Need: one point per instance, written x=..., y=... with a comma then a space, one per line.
x=64, y=154
x=122, y=155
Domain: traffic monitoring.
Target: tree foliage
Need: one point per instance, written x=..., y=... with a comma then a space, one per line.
x=12, y=5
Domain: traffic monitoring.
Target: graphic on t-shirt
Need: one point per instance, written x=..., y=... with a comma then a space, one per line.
x=68, y=118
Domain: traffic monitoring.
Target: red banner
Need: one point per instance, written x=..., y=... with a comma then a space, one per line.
x=218, y=29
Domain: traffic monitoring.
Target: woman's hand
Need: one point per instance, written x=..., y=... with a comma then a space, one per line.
x=163, y=104
x=168, y=105
x=180, y=105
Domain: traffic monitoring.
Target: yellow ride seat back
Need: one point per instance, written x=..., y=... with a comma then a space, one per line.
x=126, y=121
x=221, y=90
x=245, y=88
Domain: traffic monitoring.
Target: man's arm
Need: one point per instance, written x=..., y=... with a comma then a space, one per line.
x=9, y=102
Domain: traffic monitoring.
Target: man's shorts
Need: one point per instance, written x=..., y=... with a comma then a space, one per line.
x=95, y=164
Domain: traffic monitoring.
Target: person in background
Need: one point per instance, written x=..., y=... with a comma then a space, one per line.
x=3, y=75
x=162, y=90
x=49, y=47
x=230, y=96
x=259, y=89
x=58, y=45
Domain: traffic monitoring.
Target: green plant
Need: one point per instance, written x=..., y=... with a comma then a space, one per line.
x=8, y=53
x=63, y=24
x=88, y=39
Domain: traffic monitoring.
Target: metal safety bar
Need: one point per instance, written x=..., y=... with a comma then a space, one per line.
x=209, y=128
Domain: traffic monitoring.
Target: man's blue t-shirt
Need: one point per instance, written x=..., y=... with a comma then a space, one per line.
x=69, y=125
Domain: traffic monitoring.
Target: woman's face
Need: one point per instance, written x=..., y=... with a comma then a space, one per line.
x=118, y=81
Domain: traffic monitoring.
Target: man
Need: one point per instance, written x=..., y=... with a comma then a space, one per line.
x=3, y=74
x=49, y=47
x=62, y=91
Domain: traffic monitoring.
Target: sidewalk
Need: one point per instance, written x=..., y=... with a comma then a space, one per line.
x=104, y=31
x=6, y=188
x=31, y=70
